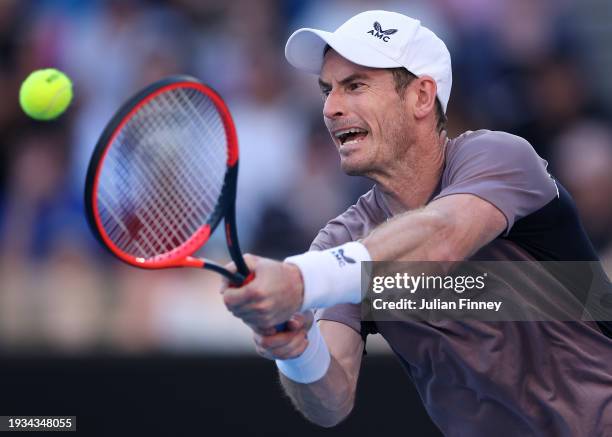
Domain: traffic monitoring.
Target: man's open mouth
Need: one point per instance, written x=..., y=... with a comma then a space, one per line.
x=350, y=135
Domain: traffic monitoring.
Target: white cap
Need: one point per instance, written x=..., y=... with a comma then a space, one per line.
x=378, y=39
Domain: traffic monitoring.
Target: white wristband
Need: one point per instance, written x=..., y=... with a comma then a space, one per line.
x=312, y=365
x=331, y=276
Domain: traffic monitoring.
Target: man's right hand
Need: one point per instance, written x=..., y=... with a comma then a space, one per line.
x=287, y=344
x=272, y=297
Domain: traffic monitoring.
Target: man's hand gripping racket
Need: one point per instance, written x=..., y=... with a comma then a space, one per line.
x=162, y=176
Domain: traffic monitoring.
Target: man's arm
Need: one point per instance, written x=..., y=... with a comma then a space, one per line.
x=448, y=229
x=329, y=400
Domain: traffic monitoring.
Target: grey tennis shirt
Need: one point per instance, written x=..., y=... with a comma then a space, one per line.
x=497, y=378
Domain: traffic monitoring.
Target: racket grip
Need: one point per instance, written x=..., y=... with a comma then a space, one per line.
x=281, y=327
x=249, y=278
x=237, y=279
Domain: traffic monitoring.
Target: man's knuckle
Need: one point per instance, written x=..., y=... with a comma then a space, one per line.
x=262, y=308
x=258, y=294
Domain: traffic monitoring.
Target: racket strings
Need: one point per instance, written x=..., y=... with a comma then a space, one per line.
x=175, y=167
x=157, y=214
x=142, y=172
x=163, y=174
x=211, y=134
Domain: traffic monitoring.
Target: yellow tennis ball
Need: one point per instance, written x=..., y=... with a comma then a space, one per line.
x=45, y=94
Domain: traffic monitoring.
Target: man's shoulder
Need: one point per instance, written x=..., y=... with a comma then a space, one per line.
x=490, y=139
x=490, y=149
x=354, y=223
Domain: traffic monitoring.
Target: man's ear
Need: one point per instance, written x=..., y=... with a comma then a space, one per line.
x=425, y=103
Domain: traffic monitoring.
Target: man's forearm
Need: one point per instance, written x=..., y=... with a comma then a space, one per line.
x=325, y=402
x=449, y=229
x=420, y=235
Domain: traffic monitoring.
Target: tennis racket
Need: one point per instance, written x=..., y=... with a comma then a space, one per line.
x=163, y=175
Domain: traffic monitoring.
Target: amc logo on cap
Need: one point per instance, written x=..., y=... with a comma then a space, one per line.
x=379, y=33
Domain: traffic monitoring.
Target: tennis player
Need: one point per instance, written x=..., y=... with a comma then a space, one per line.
x=386, y=80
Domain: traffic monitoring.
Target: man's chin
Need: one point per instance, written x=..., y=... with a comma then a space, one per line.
x=352, y=168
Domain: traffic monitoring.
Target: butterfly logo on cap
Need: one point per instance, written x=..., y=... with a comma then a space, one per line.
x=379, y=33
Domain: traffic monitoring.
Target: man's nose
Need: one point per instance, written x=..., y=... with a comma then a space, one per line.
x=334, y=105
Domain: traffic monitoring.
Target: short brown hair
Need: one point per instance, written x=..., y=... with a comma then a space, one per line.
x=402, y=79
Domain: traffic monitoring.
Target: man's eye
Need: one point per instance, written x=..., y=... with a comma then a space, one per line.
x=355, y=85
x=325, y=94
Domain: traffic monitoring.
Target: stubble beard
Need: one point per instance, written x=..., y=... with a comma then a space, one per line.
x=396, y=142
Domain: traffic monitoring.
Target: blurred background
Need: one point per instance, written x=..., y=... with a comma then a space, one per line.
x=539, y=69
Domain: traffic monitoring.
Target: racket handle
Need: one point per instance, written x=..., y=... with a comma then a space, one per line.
x=249, y=278
x=281, y=327
x=238, y=280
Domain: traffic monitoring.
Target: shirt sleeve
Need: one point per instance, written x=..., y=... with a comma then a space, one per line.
x=502, y=169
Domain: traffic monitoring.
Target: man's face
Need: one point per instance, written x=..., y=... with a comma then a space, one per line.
x=364, y=114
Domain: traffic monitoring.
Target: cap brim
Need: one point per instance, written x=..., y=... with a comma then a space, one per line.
x=304, y=50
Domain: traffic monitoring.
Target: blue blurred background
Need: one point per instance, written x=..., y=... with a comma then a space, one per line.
x=537, y=69
x=82, y=334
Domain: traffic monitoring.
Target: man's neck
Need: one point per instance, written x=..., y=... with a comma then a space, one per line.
x=411, y=184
